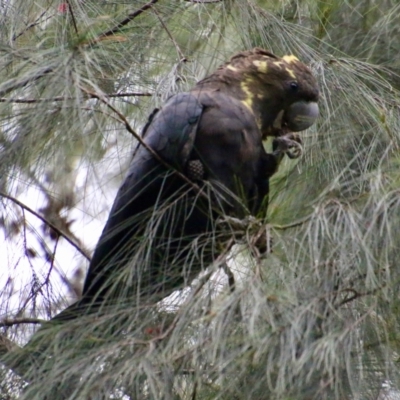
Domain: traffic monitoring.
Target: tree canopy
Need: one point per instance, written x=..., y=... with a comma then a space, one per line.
x=316, y=317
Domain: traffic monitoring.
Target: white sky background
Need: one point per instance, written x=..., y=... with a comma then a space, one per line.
x=97, y=188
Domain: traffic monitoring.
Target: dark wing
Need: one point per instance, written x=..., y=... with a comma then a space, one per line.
x=229, y=144
x=171, y=133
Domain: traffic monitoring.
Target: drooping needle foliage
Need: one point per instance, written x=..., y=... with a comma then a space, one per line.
x=315, y=315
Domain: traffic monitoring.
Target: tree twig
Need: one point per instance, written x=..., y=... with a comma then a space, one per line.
x=204, y=1
x=356, y=295
x=13, y=84
x=32, y=25
x=18, y=321
x=294, y=224
x=124, y=22
x=71, y=13
x=45, y=221
x=62, y=98
x=182, y=57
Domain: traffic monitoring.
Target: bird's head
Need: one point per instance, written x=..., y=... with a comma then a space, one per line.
x=281, y=92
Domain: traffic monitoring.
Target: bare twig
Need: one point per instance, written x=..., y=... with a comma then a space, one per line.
x=45, y=221
x=33, y=24
x=356, y=295
x=294, y=224
x=204, y=1
x=124, y=22
x=62, y=98
x=13, y=84
x=71, y=13
x=18, y=321
x=194, y=392
x=53, y=256
x=182, y=57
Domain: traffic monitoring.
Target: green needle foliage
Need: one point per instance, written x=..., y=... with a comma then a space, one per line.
x=316, y=318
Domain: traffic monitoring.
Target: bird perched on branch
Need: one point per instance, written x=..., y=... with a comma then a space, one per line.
x=202, y=157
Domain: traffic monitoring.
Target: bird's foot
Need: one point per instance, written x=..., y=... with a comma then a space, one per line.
x=289, y=144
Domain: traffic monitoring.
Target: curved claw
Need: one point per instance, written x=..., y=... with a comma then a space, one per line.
x=289, y=144
x=295, y=151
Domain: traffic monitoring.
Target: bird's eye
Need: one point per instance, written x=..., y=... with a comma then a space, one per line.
x=294, y=86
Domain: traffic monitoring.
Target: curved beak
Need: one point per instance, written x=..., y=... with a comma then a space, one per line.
x=301, y=115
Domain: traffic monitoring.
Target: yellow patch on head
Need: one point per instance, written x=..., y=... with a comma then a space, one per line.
x=248, y=100
x=280, y=64
x=231, y=67
x=290, y=59
x=283, y=65
x=291, y=73
x=262, y=66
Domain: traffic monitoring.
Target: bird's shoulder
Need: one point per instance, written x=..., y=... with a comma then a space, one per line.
x=226, y=120
x=171, y=129
x=224, y=103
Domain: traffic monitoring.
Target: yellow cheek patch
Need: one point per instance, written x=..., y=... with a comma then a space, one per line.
x=290, y=59
x=262, y=66
x=231, y=67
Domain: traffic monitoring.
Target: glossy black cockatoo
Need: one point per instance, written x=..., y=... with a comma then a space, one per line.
x=162, y=230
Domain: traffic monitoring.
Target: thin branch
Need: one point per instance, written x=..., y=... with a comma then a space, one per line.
x=32, y=25
x=294, y=224
x=356, y=295
x=182, y=57
x=71, y=13
x=53, y=256
x=62, y=98
x=48, y=223
x=132, y=94
x=18, y=321
x=13, y=84
x=194, y=392
x=124, y=22
x=204, y=1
